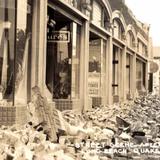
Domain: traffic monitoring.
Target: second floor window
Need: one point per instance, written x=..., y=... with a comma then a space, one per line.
x=99, y=15
x=117, y=29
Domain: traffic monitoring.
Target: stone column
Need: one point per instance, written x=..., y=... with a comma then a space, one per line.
x=109, y=71
x=133, y=76
x=39, y=42
x=84, y=58
x=123, y=75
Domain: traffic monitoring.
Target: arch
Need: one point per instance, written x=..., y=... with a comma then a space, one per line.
x=119, y=17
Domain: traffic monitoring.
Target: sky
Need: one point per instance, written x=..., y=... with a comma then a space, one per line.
x=148, y=11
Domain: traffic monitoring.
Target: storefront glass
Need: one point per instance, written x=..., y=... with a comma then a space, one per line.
x=7, y=50
x=97, y=66
x=15, y=36
x=140, y=75
x=63, y=50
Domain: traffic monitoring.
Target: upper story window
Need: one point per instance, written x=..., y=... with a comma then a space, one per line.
x=99, y=15
x=74, y=3
x=130, y=39
x=118, y=31
x=142, y=48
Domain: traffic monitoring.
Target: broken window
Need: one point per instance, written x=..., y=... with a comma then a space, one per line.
x=7, y=45
x=15, y=41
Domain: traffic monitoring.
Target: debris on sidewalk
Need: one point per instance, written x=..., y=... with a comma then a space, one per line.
x=119, y=132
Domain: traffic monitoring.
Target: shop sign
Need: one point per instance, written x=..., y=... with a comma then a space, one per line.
x=58, y=36
x=94, y=84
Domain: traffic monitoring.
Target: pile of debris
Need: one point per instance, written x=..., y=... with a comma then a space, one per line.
x=135, y=123
x=119, y=132
x=30, y=143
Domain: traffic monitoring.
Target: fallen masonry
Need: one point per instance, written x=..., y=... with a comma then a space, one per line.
x=129, y=130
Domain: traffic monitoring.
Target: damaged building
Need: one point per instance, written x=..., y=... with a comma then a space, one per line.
x=80, y=53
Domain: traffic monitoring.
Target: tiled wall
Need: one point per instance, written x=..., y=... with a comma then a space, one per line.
x=62, y=104
x=13, y=115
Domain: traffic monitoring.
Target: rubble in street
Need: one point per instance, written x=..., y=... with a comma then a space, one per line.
x=129, y=130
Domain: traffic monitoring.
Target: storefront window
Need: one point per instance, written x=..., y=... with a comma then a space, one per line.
x=14, y=54
x=7, y=44
x=63, y=50
x=97, y=66
x=140, y=75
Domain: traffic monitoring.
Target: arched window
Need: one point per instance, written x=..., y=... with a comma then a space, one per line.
x=130, y=39
x=100, y=15
x=118, y=31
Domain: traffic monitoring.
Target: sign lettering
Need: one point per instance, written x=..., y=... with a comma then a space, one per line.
x=58, y=36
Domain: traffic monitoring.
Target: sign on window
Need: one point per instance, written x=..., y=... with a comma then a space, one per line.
x=94, y=84
x=58, y=36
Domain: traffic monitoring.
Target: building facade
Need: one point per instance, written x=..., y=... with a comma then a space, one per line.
x=80, y=53
x=156, y=70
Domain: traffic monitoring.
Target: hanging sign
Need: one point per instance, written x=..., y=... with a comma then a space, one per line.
x=58, y=36
x=153, y=67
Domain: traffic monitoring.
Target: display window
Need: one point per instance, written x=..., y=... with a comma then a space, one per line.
x=15, y=36
x=7, y=43
x=97, y=66
x=140, y=75
x=63, y=51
